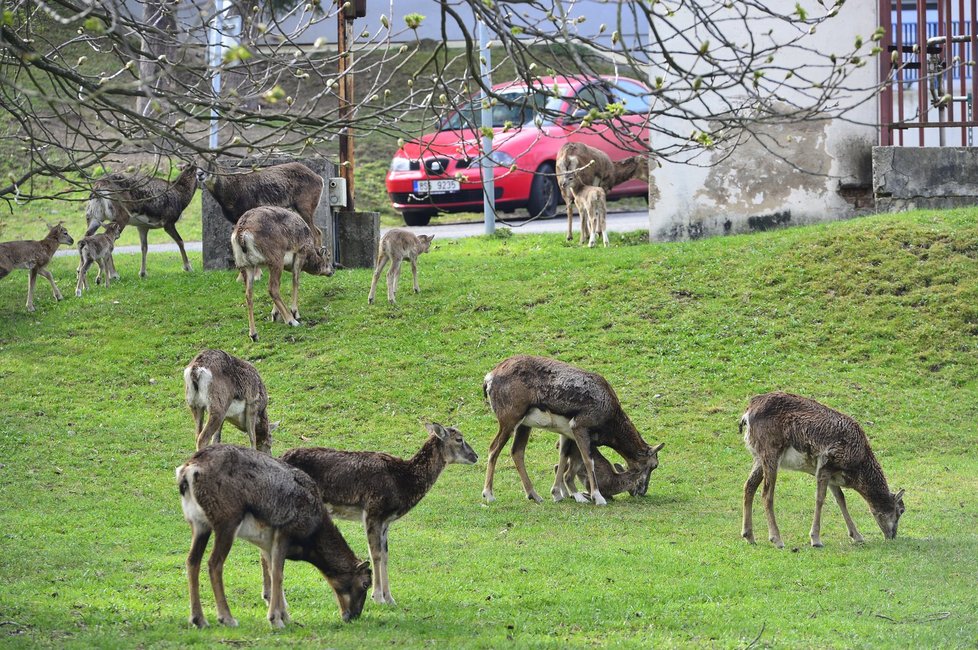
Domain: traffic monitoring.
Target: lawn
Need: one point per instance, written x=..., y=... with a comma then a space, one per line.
x=877, y=317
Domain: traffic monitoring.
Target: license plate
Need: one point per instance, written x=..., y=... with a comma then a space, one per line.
x=436, y=187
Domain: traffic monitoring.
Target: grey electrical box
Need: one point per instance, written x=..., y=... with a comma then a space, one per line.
x=336, y=187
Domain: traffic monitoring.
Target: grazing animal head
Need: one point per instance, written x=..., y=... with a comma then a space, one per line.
x=889, y=517
x=351, y=590
x=646, y=464
x=454, y=448
x=319, y=264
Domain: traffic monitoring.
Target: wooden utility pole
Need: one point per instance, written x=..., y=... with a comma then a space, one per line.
x=344, y=38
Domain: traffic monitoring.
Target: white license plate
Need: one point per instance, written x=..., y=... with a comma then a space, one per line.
x=435, y=187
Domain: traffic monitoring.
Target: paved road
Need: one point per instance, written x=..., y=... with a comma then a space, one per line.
x=617, y=222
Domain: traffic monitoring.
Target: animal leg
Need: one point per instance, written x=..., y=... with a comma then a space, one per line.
x=375, y=543
x=82, y=282
x=111, y=265
x=495, y=447
x=414, y=273
x=143, y=247
x=274, y=284
x=520, y=439
x=198, y=415
x=584, y=445
x=850, y=524
x=569, y=202
x=821, y=482
x=223, y=538
x=378, y=269
x=266, y=578
x=296, y=272
x=197, y=546
x=215, y=422
x=50, y=278
x=392, y=275
x=277, y=614
x=249, y=278
x=171, y=230
x=384, y=556
x=750, y=489
x=31, y=281
x=770, y=480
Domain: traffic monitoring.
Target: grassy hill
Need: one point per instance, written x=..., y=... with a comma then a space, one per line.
x=877, y=317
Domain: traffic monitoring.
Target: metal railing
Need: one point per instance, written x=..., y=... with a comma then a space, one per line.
x=944, y=102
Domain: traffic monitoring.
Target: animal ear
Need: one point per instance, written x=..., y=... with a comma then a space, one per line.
x=656, y=449
x=898, y=495
x=274, y=425
x=619, y=468
x=436, y=429
x=363, y=565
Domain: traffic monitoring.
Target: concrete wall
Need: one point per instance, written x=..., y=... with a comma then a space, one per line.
x=784, y=174
x=910, y=178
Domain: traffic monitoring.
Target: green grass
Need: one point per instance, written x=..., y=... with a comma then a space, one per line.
x=877, y=317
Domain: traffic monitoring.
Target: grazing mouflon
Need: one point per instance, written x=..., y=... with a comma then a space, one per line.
x=396, y=246
x=378, y=488
x=238, y=492
x=784, y=431
x=280, y=240
x=527, y=391
x=612, y=478
x=227, y=388
x=34, y=256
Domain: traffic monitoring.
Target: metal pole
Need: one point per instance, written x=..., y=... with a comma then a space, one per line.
x=488, y=180
x=215, y=47
x=344, y=36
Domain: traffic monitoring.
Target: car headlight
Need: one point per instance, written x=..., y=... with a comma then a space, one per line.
x=400, y=164
x=501, y=158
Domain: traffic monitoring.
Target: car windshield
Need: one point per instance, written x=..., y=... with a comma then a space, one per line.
x=515, y=107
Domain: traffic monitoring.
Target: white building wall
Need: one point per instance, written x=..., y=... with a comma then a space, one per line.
x=796, y=174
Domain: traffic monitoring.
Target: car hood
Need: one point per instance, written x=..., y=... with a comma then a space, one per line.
x=461, y=144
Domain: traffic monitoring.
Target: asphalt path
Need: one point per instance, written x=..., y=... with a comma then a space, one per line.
x=617, y=222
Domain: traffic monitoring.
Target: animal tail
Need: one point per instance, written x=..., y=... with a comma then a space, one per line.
x=744, y=422
x=98, y=211
x=486, y=390
x=197, y=381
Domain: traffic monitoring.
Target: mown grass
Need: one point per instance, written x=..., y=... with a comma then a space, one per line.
x=877, y=317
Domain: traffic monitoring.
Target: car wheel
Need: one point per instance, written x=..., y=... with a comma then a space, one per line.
x=418, y=218
x=544, y=193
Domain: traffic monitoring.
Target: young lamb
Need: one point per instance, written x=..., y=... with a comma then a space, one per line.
x=238, y=492
x=784, y=431
x=149, y=203
x=279, y=239
x=228, y=389
x=579, y=165
x=97, y=249
x=34, y=256
x=592, y=203
x=396, y=246
x=378, y=489
x=290, y=185
x=612, y=479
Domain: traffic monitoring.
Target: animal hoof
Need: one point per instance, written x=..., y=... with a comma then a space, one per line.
x=142, y=274
x=777, y=543
x=199, y=623
x=370, y=301
x=188, y=268
x=78, y=293
x=816, y=543
x=858, y=540
x=276, y=622
x=294, y=323
x=488, y=496
x=533, y=496
x=580, y=497
x=230, y=621
x=254, y=337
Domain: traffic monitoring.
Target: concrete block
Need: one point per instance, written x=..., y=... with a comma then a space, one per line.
x=358, y=237
x=911, y=178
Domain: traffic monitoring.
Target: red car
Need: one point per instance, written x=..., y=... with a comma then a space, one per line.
x=440, y=172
